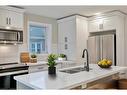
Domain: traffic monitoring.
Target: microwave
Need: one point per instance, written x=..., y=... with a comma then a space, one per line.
x=11, y=36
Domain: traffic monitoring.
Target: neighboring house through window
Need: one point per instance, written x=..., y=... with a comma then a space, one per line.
x=39, y=38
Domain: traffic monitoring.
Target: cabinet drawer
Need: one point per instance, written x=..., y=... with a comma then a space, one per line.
x=37, y=68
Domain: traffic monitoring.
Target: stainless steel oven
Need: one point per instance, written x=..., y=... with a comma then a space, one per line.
x=7, y=73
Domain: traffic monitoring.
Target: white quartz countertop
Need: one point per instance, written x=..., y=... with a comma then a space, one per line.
x=41, y=80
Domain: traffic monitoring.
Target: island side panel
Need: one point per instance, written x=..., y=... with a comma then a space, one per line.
x=20, y=86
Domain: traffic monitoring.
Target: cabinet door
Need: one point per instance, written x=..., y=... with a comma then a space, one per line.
x=67, y=31
x=38, y=68
x=68, y=49
x=16, y=19
x=110, y=23
x=93, y=26
x=61, y=32
x=3, y=18
x=71, y=51
x=70, y=34
x=61, y=48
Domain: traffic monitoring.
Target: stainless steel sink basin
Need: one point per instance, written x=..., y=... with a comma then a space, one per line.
x=74, y=70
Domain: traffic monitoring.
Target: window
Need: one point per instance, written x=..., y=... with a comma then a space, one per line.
x=38, y=38
x=40, y=35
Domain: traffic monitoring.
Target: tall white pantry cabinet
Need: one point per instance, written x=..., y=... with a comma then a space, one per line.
x=72, y=37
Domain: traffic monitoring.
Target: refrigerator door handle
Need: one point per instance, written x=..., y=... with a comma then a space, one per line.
x=101, y=47
x=98, y=49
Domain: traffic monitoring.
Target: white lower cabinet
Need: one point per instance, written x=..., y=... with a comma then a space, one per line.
x=44, y=67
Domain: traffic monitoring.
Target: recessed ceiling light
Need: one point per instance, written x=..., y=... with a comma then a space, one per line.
x=5, y=42
x=99, y=13
x=7, y=27
x=15, y=43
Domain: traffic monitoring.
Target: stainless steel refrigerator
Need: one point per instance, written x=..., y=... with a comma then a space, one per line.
x=102, y=47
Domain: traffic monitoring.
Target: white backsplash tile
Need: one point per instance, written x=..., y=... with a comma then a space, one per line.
x=23, y=47
x=8, y=53
x=10, y=60
x=1, y=60
x=42, y=57
x=11, y=53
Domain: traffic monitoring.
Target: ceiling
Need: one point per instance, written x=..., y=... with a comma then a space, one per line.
x=62, y=11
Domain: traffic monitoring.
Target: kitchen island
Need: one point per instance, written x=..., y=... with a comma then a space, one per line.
x=62, y=80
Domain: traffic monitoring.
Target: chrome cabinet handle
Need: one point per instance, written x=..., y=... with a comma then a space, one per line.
x=101, y=45
x=65, y=39
x=18, y=36
x=100, y=26
x=10, y=21
x=7, y=20
x=40, y=67
x=122, y=73
x=66, y=47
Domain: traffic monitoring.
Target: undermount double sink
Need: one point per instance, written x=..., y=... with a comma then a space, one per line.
x=74, y=70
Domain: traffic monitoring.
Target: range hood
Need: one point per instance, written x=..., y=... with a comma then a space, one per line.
x=9, y=36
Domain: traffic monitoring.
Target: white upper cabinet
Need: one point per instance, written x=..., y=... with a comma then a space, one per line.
x=93, y=26
x=11, y=19
x=110, y=23
x=15, y=20
x=102, y=24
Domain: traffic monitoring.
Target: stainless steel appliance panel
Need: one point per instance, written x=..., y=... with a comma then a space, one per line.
x=108, y=47
x=94, y=49
x=8, y=36
x=11, y=36
x=102, y=47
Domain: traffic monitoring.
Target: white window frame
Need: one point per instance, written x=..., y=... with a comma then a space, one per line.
x=48, y=35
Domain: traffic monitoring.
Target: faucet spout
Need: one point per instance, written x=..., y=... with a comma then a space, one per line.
x=85, y=55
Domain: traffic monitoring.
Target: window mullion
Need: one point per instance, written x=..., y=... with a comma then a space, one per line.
x=36, y=47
